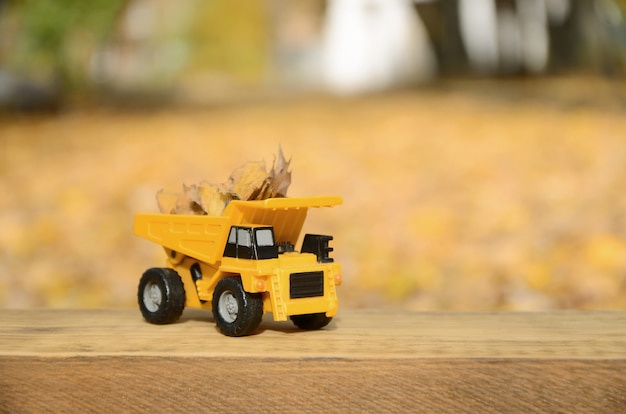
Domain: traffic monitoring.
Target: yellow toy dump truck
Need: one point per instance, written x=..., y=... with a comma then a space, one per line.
x=241, y=264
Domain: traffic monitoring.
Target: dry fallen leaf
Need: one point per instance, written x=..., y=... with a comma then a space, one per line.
x=280, y=176
x=213, y=199
x=247, y=181
x=188, y=202
x=167, y=202
x=251, y=181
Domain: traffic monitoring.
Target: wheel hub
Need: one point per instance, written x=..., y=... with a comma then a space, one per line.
x=228, y=307
x=152, y=297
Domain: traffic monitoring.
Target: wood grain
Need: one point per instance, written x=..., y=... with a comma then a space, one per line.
x=372, y=361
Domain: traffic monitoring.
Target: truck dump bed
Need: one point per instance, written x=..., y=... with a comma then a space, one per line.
x=204, y=237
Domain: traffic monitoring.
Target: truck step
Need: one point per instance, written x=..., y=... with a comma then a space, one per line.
x=278, y=303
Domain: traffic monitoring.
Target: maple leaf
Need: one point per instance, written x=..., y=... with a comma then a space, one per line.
x=280, y=176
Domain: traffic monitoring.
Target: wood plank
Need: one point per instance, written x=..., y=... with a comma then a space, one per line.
x=110, y=360
x=353, y=334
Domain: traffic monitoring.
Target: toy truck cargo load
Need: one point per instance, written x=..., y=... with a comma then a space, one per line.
x=240, y=265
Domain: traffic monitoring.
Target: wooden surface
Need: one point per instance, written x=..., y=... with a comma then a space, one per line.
x=374, y=361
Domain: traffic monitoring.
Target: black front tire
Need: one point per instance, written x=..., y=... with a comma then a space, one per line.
x=311, y=321
x=161, y=296
x=236, y=312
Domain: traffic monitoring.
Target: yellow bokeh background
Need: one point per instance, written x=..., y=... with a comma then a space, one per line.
x=454, y=198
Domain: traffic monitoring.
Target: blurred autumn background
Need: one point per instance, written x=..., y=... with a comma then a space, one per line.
x=479, y=145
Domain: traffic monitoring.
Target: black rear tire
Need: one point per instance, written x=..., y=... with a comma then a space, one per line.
x=311, y=321
x=236, y=312
x=161, y=296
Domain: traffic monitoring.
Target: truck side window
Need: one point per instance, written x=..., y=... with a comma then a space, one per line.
x=231, y=245
x=232, y=237
x=265, y=237
x=266, y=248
x=243, y=236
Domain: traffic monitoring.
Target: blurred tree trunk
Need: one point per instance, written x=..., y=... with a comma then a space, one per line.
x=441, y=19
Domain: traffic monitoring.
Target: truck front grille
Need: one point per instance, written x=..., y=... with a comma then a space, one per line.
x=306, y=285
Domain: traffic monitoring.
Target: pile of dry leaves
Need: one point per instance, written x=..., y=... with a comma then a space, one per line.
x=251, y=181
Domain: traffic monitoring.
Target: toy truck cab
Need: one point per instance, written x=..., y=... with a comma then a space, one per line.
x=240, y=265
x=253, y=243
